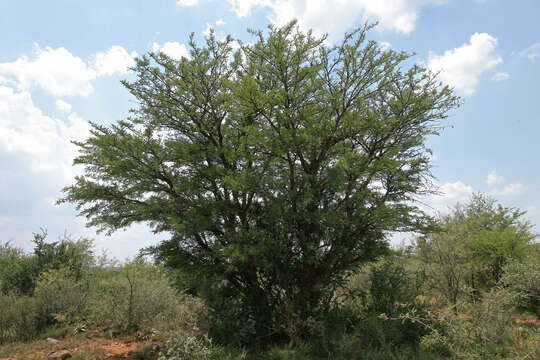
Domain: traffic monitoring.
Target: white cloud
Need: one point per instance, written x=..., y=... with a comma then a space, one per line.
x=114, y=60
x=451, y=193
x=532, y=52
x=173, y=49
x=509, y=190
x=493, y=178
x=220, y=22
x=40, y=142
x=207, y=30
x=60, y=73
x=187, y=3
x=385, y=45
x=63, y=106
x=462, y=67
x=56, y=71
x=39, y=156
x=501, y=76
x=323, y=15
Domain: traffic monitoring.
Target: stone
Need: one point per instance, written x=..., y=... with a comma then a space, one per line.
x=60, y=354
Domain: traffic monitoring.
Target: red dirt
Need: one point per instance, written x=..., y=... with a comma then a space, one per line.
x=113, y=349
x=519, y=320
x=117, y=348
x=527, y=320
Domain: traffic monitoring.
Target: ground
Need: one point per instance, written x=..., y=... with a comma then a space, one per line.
x=80, y=346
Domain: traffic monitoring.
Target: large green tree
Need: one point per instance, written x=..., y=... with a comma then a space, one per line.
x=276, y=168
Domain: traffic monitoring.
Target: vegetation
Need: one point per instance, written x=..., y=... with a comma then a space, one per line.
x=121, y=299
x=476, y=241
x=395, y=307
x=279, y=171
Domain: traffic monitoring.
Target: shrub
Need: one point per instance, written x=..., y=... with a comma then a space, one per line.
x=61, y=299
x=17, y=270
x=484, y=330
x=76, y=256
x=392, y=291
x=19, y=318
x=187, y=347
x=522, y=278
x=139, y=298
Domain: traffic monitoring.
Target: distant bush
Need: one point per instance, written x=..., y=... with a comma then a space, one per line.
x=522, y=278
x=61, y=299
x=19, y=318
x=76, y=256
x=17, y=270
x=63, y=285
x=187, y=347
x=483, y=330
x=139, y=297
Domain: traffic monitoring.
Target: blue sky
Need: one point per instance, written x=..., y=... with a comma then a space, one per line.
x=62, y=61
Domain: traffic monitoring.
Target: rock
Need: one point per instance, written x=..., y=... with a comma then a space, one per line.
x=60, y=354
x=52, y=341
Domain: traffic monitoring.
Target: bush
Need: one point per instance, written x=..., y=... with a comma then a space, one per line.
x=522, y=278
x=139, y=298
x=61, y=299
x=77, y=256
x=19, y=318
x=187, y=347
x=17, y=270
x=484, y=330
x=392, y=291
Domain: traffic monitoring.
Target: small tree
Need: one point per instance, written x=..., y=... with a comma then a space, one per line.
x=74, y=255
x=476, y=241
x=276, y=169
x=17, y=270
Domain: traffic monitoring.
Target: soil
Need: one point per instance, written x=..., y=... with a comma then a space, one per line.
x=95, y=348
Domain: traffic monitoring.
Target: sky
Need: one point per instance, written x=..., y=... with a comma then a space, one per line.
x=61, y=63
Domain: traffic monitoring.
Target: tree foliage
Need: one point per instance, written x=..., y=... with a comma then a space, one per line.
x=276, y=168
x=477, y=240
x=19, y=271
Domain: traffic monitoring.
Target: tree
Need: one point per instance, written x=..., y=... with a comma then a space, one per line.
x=476, y=242
x=277, y=168
x=17, y=270
x=74, y=255
x=448, y=258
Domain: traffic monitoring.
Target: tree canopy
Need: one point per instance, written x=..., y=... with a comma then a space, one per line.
x=476, y=241
x=276, y=167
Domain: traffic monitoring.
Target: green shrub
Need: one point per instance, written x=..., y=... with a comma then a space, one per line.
x=77, y=256
x=483, y=330
x=187, y=347
x=61, y=299
x=17, y=270
x=19, y=318
x=392, y=291
x=522, y=278
x=139, y=298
